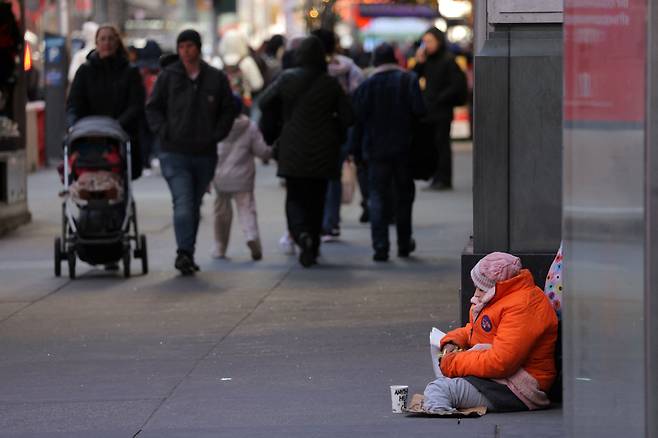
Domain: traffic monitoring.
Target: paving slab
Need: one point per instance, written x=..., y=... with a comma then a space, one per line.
x=243, y=349
x=92, y=418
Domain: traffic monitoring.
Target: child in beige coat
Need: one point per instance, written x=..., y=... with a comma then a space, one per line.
x=234, y=180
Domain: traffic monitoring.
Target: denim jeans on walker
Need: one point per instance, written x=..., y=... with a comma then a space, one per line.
x=331, y=215
x=331, y=219
x=188, y=177
x=381, y=175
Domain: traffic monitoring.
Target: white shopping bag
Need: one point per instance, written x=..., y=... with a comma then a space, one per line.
x=435, y=341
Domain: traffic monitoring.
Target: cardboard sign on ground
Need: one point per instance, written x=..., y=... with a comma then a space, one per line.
x=416, y=408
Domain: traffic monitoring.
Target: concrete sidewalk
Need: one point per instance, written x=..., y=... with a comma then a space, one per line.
x=243, y=349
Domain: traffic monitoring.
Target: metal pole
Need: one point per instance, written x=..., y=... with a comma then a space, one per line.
x=63, y=17
x=214, y=13
x=100, y=11
x=189, y=11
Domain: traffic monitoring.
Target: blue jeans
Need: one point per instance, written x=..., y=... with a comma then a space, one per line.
x=188, y=177
x=331, y=216
x=332, y=202
x=380, y=177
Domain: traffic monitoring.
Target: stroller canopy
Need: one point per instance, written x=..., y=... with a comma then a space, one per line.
x=97, y=126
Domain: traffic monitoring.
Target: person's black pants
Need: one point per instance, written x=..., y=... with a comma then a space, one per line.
x=442, y=143
x=305, y=200
x=381, y=175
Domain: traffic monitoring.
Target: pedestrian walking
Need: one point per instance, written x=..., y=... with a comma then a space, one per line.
x=88, y=35
x=386, y=106
x=234, y=182
x=316, y=114
x=191, y=109
x=107, y=85
x=237, y=62
x=271, y=123
x=274, y=50
x=349, y=75
x=149, y=67
x=444, y=86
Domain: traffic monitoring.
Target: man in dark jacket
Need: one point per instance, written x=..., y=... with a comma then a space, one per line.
x=191, y=109
x=386, y=105
x=444, y=86
x=316, y=114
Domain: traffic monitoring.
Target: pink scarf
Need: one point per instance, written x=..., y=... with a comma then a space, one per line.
x=480, y=299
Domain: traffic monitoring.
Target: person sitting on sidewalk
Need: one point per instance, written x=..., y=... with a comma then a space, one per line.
x=234, y=179
x=504, y=358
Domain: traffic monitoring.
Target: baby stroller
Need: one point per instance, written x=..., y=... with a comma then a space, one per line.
x=99, y=217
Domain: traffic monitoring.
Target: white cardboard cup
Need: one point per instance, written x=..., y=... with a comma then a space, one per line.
x=399, y=395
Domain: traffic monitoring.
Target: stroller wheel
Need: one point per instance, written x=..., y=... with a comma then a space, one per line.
x=71, y=259
x=144, y=254
x=58, y=257
x=126, y=261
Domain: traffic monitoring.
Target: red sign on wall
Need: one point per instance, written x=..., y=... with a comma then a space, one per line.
x=605, y=59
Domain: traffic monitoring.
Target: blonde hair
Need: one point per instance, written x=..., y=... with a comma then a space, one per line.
x=121, y=49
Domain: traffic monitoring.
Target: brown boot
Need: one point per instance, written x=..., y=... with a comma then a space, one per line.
x=256, y=249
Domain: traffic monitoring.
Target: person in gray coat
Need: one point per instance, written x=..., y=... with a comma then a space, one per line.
x=234, y=181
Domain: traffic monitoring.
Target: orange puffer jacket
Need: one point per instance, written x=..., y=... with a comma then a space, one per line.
x=520, y=324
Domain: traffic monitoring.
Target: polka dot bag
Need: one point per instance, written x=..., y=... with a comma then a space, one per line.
x=553, y=288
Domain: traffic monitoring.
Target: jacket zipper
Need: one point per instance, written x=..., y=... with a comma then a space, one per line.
x=470, y=337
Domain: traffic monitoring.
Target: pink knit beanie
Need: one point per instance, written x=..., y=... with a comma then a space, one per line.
x=493, y=268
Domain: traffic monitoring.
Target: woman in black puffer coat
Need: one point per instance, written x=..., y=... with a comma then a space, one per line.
x=316, y=114
x=443, y=86
x=107, y=85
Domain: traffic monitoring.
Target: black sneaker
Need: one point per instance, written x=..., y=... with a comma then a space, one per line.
x=185, y=263
x=405, y=250
x=255, y=249
x=380, y=256
x=307, y=256
x=196, y=267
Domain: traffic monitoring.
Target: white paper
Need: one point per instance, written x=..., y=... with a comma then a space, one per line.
x=435, y=336
x=435, y=341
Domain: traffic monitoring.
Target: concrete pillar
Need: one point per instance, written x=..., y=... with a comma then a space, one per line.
x=517, y=194
x=100, y=11
x=294, y=26
x=651, y=238
x=188, y=11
